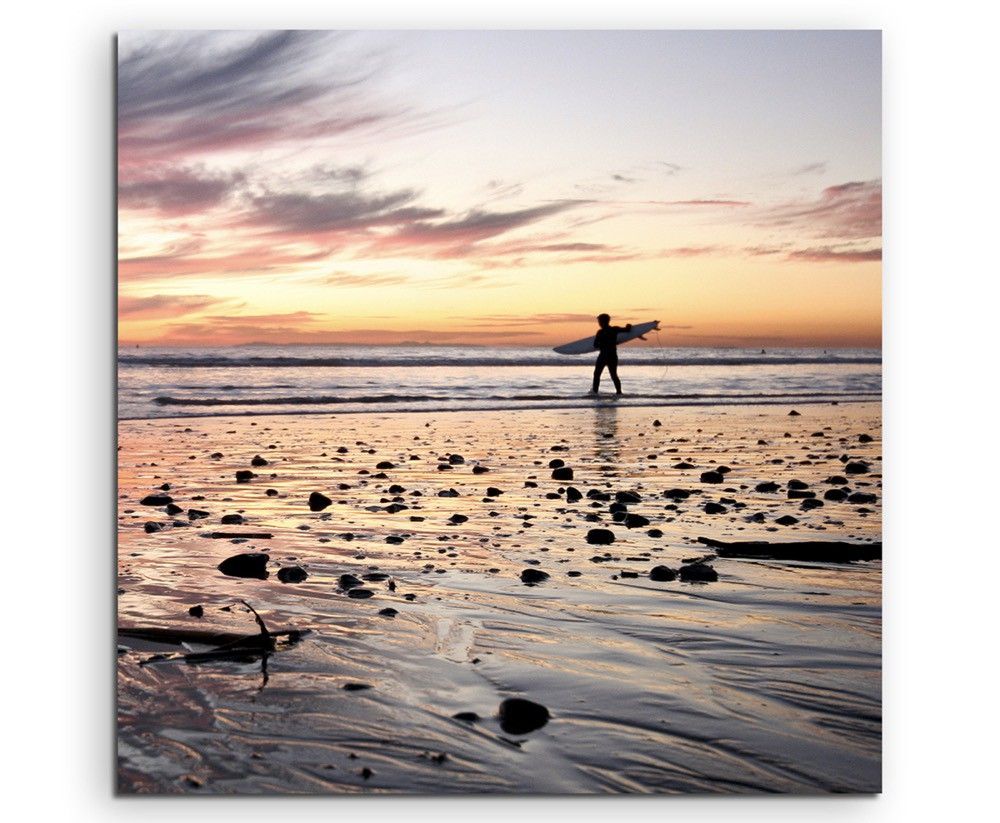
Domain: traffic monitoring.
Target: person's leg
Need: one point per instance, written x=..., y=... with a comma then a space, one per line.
x=598, y=368
x=613, y=371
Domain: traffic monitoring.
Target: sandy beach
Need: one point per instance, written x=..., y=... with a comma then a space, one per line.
x=766, y=679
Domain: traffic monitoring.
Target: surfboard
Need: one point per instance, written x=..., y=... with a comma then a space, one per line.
x=586, y=344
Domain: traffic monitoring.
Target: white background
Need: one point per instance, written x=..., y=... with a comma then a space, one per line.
x=941, y=315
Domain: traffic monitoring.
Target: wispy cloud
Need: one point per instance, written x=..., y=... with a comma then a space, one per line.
x=244, y=259
x=183, y=94
x=690, y=251
x=846, y=211
x=348, y=279
x=457, y=237
x=827, y=254
x=300, y=213
x=173, y=191
x=809, y=168
x=159, y=306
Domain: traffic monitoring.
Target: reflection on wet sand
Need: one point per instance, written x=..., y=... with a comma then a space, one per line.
x=766, y=680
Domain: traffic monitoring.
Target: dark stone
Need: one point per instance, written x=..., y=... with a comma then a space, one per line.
x=635, y=521
x=348, y=581
x=520, y=716
x=573, y=494
x=232, y=520
x=196, y=611
x=787, y=520
x=836, y=480
x=600, y=537
x=388, y=611
x=467, y=717
x=556, y=463
x=714, y=508
x=684, y=465
x=799, y=494
x=857, y=467
x=862, y=497
x=318, y=502
x=655, y=533
x=836, y=495
x=258, y=461
x=493, y=491
x=657, y=423
x=698, y=573
x=360, y=594
x=244, y=476
x=271, y=492
x=457, y=518
x=173, y=508
x=292, y=574
x=793, y=413
x=385, y=464
x=711, y=477
x=246, y=565
x=562, y=473
x=662, y=574
x=456, y=459
x=812, y=503
x=156, y=500
x=766, y=488
x=627, y=498
x=355, y=687
x=532, y=576
x=677, y=494
x=797, y=484
x=865, y=438
x=152, y=527
x=197, y=514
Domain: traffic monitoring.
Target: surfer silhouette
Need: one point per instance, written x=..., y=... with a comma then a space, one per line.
x=606, y=343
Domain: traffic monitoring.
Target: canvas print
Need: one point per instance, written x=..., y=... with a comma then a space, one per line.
x=499, y=412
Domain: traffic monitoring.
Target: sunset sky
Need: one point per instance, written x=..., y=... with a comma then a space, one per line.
x=499, y=188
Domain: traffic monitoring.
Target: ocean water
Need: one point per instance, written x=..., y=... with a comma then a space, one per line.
x=181, y=382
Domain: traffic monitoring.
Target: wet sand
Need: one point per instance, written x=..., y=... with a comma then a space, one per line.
x=765, y=680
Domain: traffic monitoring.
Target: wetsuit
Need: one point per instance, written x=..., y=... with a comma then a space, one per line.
x=606, y=343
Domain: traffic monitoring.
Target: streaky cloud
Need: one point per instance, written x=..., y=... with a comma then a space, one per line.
x=831, y=255
x=161, y=306
x=174, y=191
x=851, y=211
